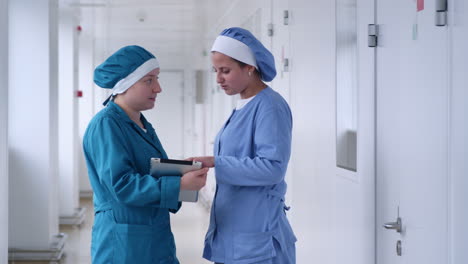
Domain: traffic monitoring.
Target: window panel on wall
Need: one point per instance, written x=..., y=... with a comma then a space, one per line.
x=346, y=84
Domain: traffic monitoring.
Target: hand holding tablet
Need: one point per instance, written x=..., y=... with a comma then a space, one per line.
x=193, y=177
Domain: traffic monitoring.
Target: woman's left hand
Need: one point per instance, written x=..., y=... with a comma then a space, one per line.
x=207, y=161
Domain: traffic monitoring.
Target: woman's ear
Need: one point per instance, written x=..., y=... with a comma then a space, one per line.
x=250, y=68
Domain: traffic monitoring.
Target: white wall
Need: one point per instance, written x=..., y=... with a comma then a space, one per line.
x=333, y=209
x=33, y=123
x=86, y=104
x=312, y=79
x=189, y=112
x=4, y=131
x=68, y=112
x=458, y=15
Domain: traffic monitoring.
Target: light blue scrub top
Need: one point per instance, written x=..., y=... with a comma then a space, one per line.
x=131, y=222
x=248, y=221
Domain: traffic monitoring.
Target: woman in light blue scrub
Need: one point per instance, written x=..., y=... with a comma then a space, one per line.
x=131, y=223
x=248, y=217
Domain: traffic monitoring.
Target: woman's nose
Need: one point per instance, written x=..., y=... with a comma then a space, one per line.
x=157, y=87
x=219, y=78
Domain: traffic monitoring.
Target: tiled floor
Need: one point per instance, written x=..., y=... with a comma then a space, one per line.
x=188, y=225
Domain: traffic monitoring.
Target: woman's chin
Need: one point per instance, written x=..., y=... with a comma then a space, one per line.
x=229, y=92
x=149, y=106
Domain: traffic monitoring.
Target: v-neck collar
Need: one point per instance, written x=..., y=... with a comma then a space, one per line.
x=150, y=136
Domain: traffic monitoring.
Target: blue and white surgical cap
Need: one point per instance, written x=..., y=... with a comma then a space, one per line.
x=240, y=44
x=124, y=68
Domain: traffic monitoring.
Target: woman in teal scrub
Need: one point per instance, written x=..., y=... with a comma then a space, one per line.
x=131, y=223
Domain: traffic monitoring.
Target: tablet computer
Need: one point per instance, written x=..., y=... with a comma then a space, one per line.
x=170, y=167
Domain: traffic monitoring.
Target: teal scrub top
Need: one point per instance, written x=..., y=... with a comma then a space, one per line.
x=131, y=207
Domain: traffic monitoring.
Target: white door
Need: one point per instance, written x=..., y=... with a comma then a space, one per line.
x=167, y=116
x=412, y=133
x=280, y=47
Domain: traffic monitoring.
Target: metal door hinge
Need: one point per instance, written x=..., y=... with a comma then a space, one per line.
x=441, y=13
x=286, y=17
x=373, y=32
x=270, y=30
x=286, y=65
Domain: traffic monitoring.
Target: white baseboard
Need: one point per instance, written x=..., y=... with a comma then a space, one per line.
x=53, y=254
x=86, y=194
x=74, y=220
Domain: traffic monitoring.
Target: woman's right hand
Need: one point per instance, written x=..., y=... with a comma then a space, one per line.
x=194, y=180
x=207, y=161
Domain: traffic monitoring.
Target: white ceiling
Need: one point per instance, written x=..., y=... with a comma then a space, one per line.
x=169, y=27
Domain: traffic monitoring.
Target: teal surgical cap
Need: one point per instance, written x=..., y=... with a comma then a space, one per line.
x=240, y=44
x=124, y=68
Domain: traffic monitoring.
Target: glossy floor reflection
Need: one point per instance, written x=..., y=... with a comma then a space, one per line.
x=188, y=225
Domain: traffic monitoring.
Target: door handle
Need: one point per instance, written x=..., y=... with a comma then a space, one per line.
x=394, y=225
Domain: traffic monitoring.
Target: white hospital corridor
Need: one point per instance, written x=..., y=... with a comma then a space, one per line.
x=335, y=131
